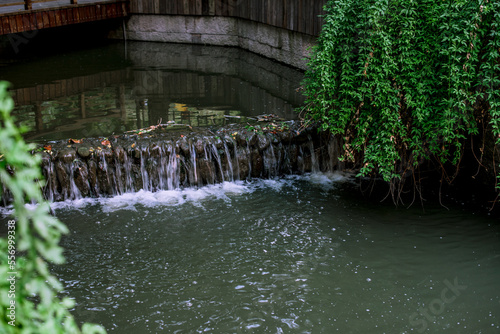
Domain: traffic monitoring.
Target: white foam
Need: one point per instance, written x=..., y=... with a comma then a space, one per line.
x=329, y=179
x=196, y=196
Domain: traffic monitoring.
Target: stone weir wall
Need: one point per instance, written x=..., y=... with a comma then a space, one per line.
x=173, y=156
x=283, y=30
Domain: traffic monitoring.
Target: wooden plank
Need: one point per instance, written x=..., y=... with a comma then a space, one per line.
x=86, y=11
x=318, y=21
x=69, y=15
x=5, y=26
x=205, y=7
x=300, y=16
x=125, y=9
x=104, y=13
x=175, y=9
x=98, y=12
x=81, y=14
x=286, y=16
x=12, y=4
x=111, y=11
x=192, y=7
x=218, y=7
x=310, y=20
x=231, y=7
x=13, y=24
x=256, y=10
x=118, y=10
x=19, y=23
x=31, y=18
x=39, y=20
x=20, y=96
x=92, y=13
x=52, y=18
x=198, y=8
x=76, y=15
x=162, y=8
x=41, y=1
x=156, y=6
x=225, y=7
x=279, y=13
x=270, y=12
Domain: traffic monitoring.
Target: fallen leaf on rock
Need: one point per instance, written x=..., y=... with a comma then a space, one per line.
x=48, y=147
x=105, y=142
x=75, y=141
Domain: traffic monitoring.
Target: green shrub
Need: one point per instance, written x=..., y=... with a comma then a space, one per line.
x=405, y=81
x=31, y=243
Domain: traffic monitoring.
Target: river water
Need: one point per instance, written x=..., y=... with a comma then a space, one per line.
x=298, y=254
x=293, y=255
x=105, y=90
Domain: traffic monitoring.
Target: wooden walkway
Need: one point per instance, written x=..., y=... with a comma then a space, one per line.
x=28, y=15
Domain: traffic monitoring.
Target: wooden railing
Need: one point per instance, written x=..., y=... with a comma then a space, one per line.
x=28, y=4
x=56, y=13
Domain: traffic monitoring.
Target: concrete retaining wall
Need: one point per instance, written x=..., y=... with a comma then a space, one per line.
x=286, y=46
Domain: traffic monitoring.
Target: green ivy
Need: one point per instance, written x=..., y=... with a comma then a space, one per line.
x=403, y=81
x=32, y=242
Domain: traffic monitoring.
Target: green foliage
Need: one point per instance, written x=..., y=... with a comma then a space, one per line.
x=404, y=81
x=31, y=244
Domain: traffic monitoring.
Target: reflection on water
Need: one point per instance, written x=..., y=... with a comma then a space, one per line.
x=296, y=255
x=156, y=83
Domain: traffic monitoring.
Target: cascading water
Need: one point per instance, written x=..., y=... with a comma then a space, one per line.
x=167, y=160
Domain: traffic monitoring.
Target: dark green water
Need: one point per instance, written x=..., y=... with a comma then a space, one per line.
x=109, y=89
x=298, y=255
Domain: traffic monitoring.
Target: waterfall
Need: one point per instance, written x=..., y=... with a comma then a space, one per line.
x=168, y=161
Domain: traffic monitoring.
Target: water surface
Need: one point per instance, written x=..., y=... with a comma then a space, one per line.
x=112, y=89
x=296, y=255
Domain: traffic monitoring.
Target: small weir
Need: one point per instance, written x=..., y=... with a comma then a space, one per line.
x=191, y=209
x=168, y=160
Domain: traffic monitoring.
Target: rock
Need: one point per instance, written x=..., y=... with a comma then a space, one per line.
x=206, y=171
x=252, y=138
x=137, y=153
x=92, y=175
x=242, y=163
x=219, y=144
x=184, y=146
x=81, y=177
x=107, y=153
x=257, y=163
x=154, y=150
x=84, y=151
x=120, y=154
x=262, y=142
x=241, y=139
x=63, y=178
x=199, y=146
x=66, y=155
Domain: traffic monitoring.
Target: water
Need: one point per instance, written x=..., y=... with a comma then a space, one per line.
x=293, y=255
x=108, y=90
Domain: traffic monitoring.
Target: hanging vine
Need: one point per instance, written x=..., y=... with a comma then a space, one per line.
x=401, y=80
